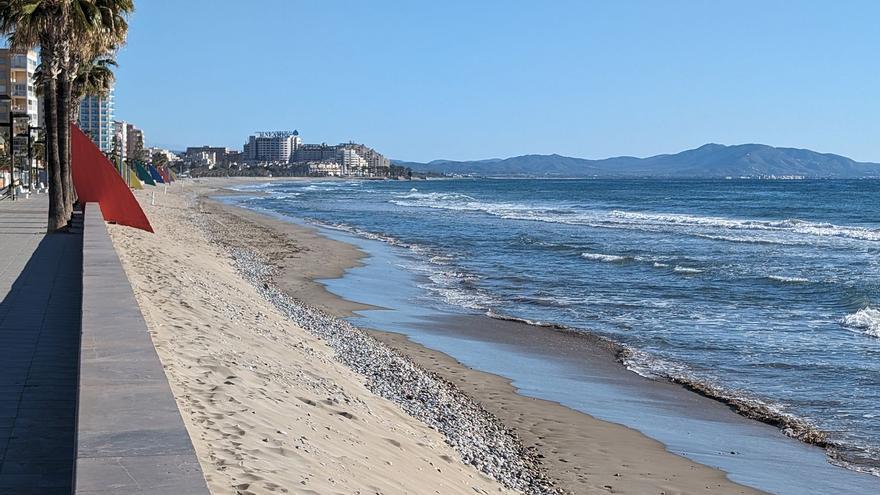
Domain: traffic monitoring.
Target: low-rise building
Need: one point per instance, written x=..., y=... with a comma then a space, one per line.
x=329, y=169
x=221, y=153
x=202, y=159
x=169, y=155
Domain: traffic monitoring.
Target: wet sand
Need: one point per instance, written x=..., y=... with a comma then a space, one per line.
x=301, y=255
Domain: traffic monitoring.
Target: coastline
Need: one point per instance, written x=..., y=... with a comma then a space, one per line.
x=581, y=453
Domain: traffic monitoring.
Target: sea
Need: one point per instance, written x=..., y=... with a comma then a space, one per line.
x=766, y=291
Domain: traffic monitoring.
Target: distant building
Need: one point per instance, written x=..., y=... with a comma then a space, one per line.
x=135, y=143
x=353, y=159
x=332, y=169
x=119, y=148
x=367, y=162
x=315, y=153
x=96, y=120
x=169, y=155
x=352, y=163
x=277, y=146
x=222, y=154
x=202, y=159
x=233, y=156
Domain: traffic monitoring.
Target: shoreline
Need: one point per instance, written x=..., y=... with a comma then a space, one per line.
x=300, y=264
x=762, y=411
x=608, y=456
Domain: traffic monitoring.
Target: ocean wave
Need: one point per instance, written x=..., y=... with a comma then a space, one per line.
x=686, y=270
x=866, y=320
x=794, y=225
x=788, y=280
x=364, y=233
x=652, y=367
x=658, y=264
x=250, y=187
x=608, y=258
x=283, y=195
x=748, y=239
x=707, y=226
x=331, y=186
x=435, y=196
x=847, y=455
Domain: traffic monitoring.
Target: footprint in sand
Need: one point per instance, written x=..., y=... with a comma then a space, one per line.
x=346, y=414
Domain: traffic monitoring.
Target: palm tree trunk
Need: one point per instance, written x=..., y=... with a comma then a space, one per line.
x=63, y=123
x=57, y=216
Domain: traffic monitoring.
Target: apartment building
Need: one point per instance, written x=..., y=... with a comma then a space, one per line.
x=18, y=95
x=275, y=146
x=96, y=120
x=352, y=162
x=315, y=153
x=120, y=140
x=135, y=143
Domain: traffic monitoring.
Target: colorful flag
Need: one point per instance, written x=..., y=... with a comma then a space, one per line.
x=133, y=181
x=144, y=175
x=155, y=174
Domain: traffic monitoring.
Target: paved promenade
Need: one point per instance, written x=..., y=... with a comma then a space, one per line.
x=40, y=297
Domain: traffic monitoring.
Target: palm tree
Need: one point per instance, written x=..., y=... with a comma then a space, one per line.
x=91, y=30
x=31, y=23
x=69, y=33
x=95, y=78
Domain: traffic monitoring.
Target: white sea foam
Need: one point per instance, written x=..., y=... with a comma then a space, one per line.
x=749, y=239
x=788, y=280
x=284, y=195
x=866, y=320
x=793, y=225
x=686, y=270
x=608, y=258
x=251, y=187
x=657, y=264
x=710, y=227
x=436, y=197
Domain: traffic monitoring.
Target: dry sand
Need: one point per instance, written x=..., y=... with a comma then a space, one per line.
x=242, y=374
x=267, y=406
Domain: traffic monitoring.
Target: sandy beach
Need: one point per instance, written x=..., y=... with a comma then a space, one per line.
x=272, y=408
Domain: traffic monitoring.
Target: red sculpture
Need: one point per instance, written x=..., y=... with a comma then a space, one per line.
x=97, y=181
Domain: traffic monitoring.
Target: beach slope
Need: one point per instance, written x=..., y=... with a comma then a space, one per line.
x=272, y=409
x=268, y=407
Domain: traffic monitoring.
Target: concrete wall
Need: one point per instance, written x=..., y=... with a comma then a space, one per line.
x=131, y=438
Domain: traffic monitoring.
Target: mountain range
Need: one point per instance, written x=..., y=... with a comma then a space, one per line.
x=707, y=161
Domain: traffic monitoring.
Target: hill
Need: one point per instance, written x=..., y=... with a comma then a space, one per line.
x=710, y=160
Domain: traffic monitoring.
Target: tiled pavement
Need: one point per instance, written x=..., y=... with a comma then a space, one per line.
x=96, y=418
x=40, y=314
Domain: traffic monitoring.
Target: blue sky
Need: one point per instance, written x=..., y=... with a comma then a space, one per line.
x=420, y=80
